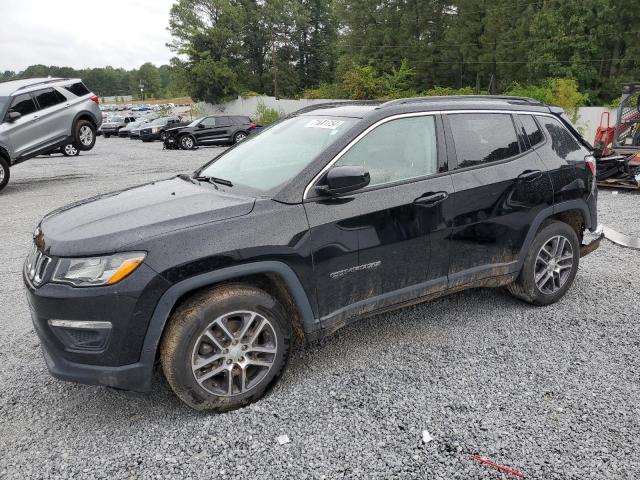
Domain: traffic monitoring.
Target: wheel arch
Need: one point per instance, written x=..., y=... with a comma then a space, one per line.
x=85, y=115
x=575, y=213
x=276, y=278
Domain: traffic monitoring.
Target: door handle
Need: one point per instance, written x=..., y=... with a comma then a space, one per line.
x=431, y=199
x=530, y=175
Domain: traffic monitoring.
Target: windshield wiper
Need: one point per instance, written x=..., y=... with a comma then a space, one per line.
x=221, y=181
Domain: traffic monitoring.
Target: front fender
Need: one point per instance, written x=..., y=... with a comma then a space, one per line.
x=172, y=295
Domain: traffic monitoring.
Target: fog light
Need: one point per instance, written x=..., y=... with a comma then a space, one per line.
x=81, y=335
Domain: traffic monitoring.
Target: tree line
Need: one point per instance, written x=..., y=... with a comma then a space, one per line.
x=361, y=49
x=158, y=82
x=389, y=48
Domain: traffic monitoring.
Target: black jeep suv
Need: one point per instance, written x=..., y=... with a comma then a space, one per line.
x=212, y=130
x=337, y=212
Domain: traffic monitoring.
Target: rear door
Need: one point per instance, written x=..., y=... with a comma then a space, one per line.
x=223, y=129
x=54, y=121
x=500, y=185
x=388, y=242
x=22, y=137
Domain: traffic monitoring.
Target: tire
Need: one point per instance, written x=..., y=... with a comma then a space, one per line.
x=561, y=278
x=84, y=135
x=239, y=136
x=5, y=172
x=187, y=142
x=69, y=150
x=185, y=343
x=107, y=135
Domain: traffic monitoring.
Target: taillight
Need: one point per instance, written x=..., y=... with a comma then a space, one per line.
x=252, y=125
x=590, y=160
x=96, y=99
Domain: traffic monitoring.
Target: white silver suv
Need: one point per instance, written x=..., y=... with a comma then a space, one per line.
x=38, y=115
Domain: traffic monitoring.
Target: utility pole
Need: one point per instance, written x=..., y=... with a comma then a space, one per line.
x=141, y=91
x=273, y=64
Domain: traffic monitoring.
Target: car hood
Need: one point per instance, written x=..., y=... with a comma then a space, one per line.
x=121, y=220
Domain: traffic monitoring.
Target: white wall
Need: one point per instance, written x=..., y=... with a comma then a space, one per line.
x=588, y=117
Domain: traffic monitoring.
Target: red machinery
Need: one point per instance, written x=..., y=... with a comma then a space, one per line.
x=619, y=161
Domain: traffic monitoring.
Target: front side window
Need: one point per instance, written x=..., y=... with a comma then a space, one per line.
x=267, y=161
x=23, y=104
x=209, y=122
x=398, y=150
x=48, y=98
x=563, y=143
x=531, y=130
x=3, y=103
x=483, y=137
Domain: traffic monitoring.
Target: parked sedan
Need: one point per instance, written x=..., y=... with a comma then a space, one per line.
x=114, y=124
x=126, y=131
x=157, y=128
x=211, y=130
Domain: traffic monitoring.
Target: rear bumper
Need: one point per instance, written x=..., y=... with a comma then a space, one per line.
x=591, y=241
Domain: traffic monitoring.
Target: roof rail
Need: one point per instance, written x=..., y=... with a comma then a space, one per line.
x=339, y=103
x=404, y=101
x=42, y=82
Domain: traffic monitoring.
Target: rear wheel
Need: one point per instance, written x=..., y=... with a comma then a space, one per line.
x=187, y=142
x=69, y=150
x=4, y=173
x=85, y=135
x=224, y=348
x=238, y=137
x=550, y=266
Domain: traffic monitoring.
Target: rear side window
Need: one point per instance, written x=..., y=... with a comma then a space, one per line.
x=223, y=122
x=78, y=89
x=563, y=142
x=531, y=130
x=397, y=150
x=483, y=137
x=49, y=98
x=23, y=104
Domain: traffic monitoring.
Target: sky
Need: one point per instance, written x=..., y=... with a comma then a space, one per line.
x=84, y=33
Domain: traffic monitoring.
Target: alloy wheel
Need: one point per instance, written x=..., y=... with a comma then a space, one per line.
x=70, y=150
x=86, y=135
x=234, y=353
x=554, y=264
x=187, y=143
x=240, y=137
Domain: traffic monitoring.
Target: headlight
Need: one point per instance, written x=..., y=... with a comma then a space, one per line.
x=154, y=130
x=96, y=271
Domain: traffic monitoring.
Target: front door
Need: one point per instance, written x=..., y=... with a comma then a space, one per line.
x=388, y=242
x=20, y=131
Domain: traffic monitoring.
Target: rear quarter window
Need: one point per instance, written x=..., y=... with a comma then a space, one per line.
x=483, y=138
x=78, y=89
x=563, y=143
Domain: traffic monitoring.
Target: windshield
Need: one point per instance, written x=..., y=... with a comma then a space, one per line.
x=116, y=120
x=158, y=121
x=196, y=122
x=3, y=103
x=278, y=154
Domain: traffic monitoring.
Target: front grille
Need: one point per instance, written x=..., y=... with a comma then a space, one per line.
x=146, y=131
x=37, y=266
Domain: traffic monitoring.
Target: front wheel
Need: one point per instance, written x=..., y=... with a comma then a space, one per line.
x=4, y=173
x=69, y=150
x=187, y=142
x=225, y=347
x=550, y=266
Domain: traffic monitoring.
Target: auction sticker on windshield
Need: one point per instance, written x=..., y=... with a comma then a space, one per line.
x=324, y=123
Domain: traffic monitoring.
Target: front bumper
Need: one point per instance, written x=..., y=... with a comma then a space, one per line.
x=150, y=136
x=116, y=360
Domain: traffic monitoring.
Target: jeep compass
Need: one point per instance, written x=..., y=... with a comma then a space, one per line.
x=336, y=212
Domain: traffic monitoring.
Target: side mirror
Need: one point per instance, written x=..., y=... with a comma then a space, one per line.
x=12, y=116
x=200, y=125
x=345, y=179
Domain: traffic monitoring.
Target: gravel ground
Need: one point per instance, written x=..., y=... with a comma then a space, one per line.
x=552, y=392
